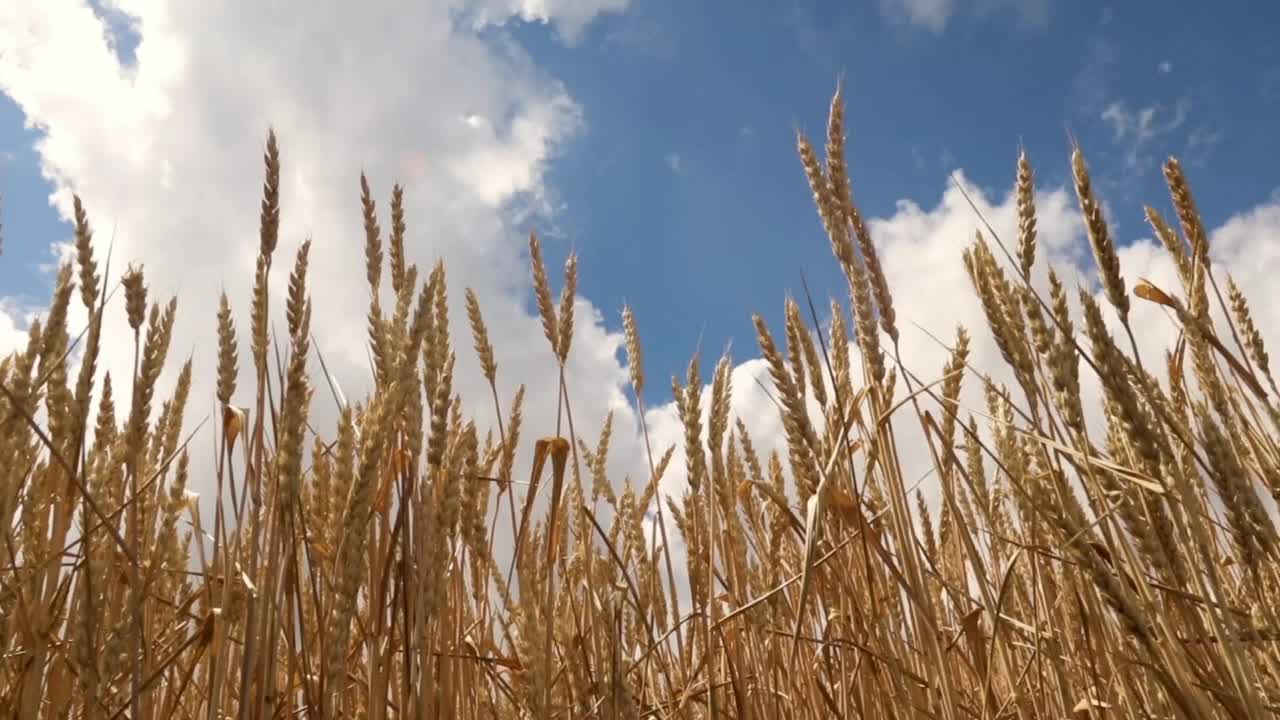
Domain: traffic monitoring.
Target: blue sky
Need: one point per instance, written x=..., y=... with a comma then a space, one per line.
x=730, y=230
x=682, y=192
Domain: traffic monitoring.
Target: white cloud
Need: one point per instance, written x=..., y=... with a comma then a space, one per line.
x=1269, y=84
x=1165, y=66
x=13, y=328
x=1091, y=86
x=675, y=163
x=570, y=17
x=934, y=15
x=1030, y=13
x=1134, y=131
x=642, y=36
x=1200, y=144
x=167, y=153
x=930, y=14
x=920, y=251
x=1144, y=123
x=1245, y=245
x=920, y=248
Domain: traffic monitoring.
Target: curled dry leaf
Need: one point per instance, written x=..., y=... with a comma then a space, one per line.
x=1149, y=292
x=559, y=449
x=233, y=422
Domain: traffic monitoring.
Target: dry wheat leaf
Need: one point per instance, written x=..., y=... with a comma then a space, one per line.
x=1148, y=291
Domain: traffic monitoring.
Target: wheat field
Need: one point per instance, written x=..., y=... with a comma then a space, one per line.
x=1063, y=571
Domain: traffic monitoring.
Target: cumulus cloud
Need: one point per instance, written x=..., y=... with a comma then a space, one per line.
x=166, y=152
x=13, y=326
x=1245, y=246
x=920, y=248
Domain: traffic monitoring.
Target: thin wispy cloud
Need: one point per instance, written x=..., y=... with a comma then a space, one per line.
x=1200, y=145
x=917, y=158
x=1144, y=123
x=1136, y=130
x=643, y=36
x=1092, y=85
x=1269, y=85
x=929, y=14
x=675, y=163
x=818, y=30
x=935, y=15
